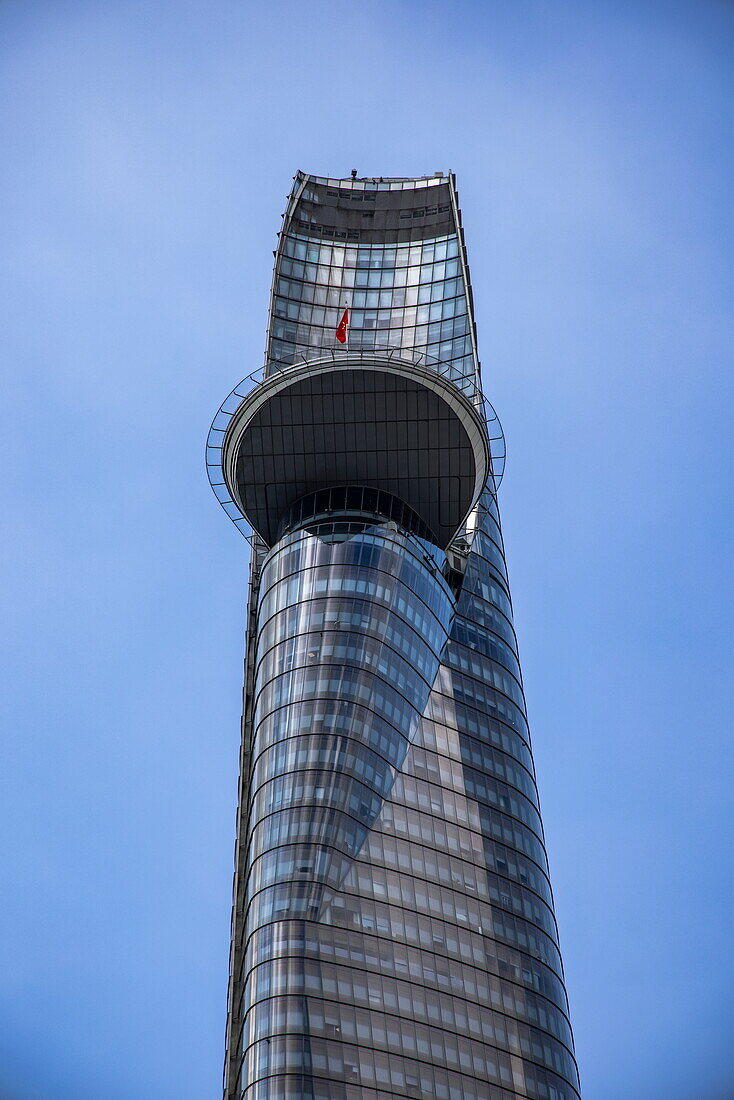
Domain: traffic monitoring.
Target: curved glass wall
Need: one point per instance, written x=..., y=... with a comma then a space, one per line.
x=341, y=682
x=404, y=281
x=393, y=926
x=349, y=509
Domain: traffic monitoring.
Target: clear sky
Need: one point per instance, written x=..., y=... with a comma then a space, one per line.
x=147, y=149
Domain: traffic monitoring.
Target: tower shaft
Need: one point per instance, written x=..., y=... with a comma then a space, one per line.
x=393, y=932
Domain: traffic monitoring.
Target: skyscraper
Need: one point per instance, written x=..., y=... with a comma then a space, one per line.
x=393, y=932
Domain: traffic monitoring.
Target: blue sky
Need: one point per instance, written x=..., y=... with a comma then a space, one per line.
x=148, y=148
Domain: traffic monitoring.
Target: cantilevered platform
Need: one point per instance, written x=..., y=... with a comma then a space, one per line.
x=356, y=420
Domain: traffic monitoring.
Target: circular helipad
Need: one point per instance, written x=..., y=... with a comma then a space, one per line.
x=390, y=426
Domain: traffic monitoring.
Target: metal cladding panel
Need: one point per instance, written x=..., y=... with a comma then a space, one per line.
x=393, y=928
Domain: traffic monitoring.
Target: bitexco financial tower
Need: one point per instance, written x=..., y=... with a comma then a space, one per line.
x=393, y=932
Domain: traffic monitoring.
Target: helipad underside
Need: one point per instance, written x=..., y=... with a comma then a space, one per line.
x=404, y=431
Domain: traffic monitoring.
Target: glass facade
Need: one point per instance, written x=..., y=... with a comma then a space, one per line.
x=404, y=281
x=393, y=932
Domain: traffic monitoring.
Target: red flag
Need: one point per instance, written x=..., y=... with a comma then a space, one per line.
x=341, y=332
